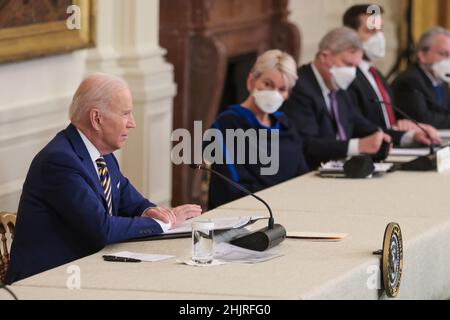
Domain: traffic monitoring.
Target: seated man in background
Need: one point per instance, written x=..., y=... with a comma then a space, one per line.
x=270, y=82
x=371, y=93
x=322, y=110
x=75, y=200
x=422, y=90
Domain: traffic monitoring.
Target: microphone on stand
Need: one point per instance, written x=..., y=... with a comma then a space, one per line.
x=263, y=239
x=422, y=163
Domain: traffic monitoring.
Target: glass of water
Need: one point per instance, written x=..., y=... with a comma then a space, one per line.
x=203, y=242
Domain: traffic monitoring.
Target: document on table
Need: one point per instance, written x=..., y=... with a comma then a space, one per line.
x=141, y=256
x=337, y=168
x=411, y=152
x=219, y=224
x=444, y=134
x=226, y=252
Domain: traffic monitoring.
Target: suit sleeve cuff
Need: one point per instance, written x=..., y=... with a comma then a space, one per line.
x=164, y=226
x=353, y=148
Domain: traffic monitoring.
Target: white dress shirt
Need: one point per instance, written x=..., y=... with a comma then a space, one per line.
x=94, y=155
x=435, y=81
x=353, y=145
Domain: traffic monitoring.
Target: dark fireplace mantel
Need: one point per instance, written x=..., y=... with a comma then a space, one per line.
x=201, y=36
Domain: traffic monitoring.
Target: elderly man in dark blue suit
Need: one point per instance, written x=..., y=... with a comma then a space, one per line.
x=75, y=200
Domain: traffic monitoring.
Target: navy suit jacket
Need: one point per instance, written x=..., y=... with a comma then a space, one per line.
x=62, y=212
x=307, y=109
x=415, y=95
x=365, y=100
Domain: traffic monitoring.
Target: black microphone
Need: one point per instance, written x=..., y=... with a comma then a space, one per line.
x=423, y=163
x=263, y=239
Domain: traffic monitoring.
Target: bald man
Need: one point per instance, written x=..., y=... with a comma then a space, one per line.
x=75, y=200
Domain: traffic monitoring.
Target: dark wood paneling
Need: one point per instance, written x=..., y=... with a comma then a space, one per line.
x=200, y=37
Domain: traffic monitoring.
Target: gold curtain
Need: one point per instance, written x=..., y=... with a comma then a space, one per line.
x=430, y=13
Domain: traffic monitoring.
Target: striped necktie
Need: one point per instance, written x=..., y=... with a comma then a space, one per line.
x=105, y=181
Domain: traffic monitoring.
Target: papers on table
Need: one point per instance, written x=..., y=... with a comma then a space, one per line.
x=219, y=224
x=444, y=134
x=141, y=256
x=315, y=236
x=409, y=152
x=225, y=252
x=336, y=168
x=191, y=263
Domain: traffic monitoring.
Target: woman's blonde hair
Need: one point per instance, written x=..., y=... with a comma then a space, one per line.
x=276, y=59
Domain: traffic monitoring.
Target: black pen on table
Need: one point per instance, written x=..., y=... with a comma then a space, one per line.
x=119, y=259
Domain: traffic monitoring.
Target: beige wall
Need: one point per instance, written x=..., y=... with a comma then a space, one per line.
x=316, y=18
x=35, y=96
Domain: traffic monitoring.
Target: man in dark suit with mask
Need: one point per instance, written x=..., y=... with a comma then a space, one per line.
x=422, y=90
x=370, y=91
x=322, y=110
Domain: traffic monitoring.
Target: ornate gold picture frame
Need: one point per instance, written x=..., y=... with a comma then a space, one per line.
x=38, y=28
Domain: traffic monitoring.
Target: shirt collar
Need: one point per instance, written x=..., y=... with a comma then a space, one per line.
x=434, y=81
x=365, y=66
x=92, y=150
x=325, y=90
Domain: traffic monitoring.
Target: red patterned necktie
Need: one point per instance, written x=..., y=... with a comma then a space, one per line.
x=385, y=96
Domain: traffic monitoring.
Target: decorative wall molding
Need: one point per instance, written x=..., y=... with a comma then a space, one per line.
x=24, y=129
x=146, y=156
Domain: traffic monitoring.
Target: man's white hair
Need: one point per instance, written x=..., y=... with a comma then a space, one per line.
x=97, y=90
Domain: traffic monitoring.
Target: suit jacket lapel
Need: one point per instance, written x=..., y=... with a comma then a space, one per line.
x=430, y=92
x=372, y=96
x=309, y=73
x=80, y=149
x=367, y=86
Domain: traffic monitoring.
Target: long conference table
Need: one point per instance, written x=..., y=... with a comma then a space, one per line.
x=419, y=202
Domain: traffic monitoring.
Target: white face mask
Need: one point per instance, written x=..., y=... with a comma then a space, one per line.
x=442, y=70
x=343, y=77
x=268, y=101
x=375, y=47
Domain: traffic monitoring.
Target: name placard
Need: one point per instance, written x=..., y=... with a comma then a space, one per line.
x=443, y=160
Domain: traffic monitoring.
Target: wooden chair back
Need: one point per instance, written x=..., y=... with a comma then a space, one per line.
x=7, y=231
